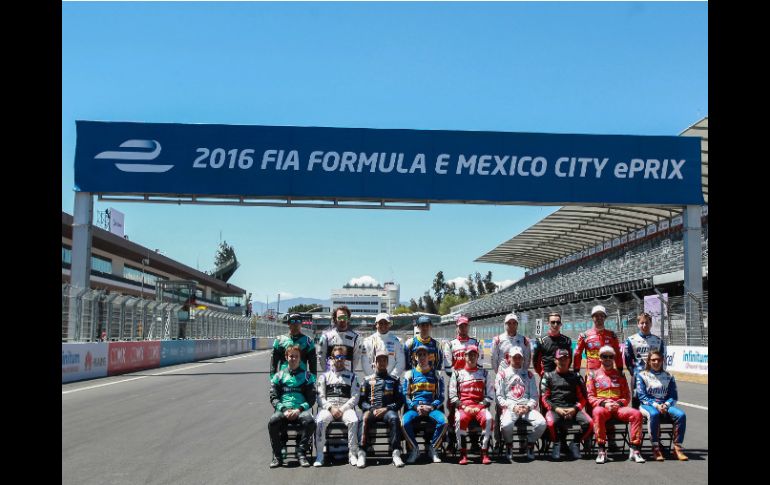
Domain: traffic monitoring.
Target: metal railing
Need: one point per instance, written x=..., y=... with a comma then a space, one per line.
x=681, y=320
x=670, y=322
x=93, y=315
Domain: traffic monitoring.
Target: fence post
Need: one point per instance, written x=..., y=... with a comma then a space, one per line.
x=65, y=304
x=689, y=316
x=80, y=267
x=663, y=313
x=78, y=312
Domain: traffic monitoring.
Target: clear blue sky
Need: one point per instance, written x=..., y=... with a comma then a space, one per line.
x=595, y=68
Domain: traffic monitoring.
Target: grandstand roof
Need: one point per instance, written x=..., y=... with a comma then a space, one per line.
x=573, y=228
x=131, y=251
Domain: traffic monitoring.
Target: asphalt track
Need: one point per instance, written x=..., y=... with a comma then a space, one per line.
x=206, y=423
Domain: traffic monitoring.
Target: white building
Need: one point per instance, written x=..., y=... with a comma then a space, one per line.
x=367, y=299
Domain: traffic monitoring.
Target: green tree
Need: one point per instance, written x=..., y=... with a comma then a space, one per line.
x=420, y=304
x=225, y=253
x=438, y=287
x=302, y=308
x=450, y=301
x=430, y=305
x=450, y=289
x=479, y=284
x=402, y=309
x=471, y=287
x=489, y=285
x=463, y=293
x=413, y=305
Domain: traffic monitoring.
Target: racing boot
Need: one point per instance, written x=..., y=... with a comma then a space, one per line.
x=397, y=458
x=601, y=457
x=530, y=451
x=635, y=456
x=556, y=451
x=485, y=456
x=412, y=456
x=574, y=450
x=657, y=453
x=432, y=455
x=463, y=457
x=679, y=452
x=509, y=452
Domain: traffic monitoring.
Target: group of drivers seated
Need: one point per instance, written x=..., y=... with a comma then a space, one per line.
x=407, y=376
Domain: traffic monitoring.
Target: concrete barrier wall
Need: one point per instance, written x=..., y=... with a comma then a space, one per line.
x=80, y=361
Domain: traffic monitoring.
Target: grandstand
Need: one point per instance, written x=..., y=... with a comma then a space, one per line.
x=623, y=269
x=585, y=255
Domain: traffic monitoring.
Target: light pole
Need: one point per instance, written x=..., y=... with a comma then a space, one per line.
x=145, y=261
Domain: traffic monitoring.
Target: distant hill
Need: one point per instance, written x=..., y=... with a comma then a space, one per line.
x=259, y=306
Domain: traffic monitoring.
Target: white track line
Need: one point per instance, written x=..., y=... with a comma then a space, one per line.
x=691, y=405
x=251, y=354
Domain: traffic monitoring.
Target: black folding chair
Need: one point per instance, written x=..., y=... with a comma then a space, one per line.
x=666, y=432
x=617, y=431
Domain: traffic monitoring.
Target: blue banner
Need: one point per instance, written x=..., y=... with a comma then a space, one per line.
x=379, y=164
x=176, y=352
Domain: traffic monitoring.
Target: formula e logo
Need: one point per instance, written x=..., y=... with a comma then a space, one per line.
x=152, y=145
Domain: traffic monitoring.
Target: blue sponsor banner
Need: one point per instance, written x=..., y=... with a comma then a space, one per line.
x=176, y=352
x=404, y=165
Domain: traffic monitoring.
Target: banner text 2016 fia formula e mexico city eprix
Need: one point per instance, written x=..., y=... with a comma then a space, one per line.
x=410, y=165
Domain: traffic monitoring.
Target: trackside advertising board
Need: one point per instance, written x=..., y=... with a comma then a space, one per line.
x=694, y=360
x=177, y=352
x=83, y=361
x=406, y=165
x=132, y=356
